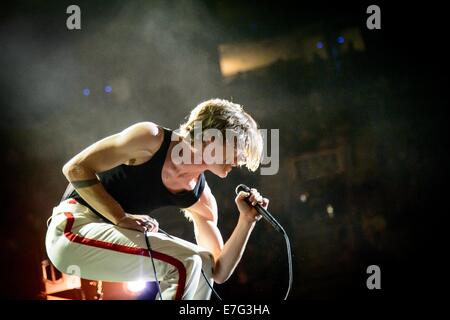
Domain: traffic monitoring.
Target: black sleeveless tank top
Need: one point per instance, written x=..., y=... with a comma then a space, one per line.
x=139, y=189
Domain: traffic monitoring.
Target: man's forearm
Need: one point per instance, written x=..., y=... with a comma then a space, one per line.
x=92, y=191
x=233, y=250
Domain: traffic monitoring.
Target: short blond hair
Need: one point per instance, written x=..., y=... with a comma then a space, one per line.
x=222, y=114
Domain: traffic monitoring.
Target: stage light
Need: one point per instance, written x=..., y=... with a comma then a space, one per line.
x=86, y=92
x=330, y=211
x=304, y=197
x=319, y=45
x=108, y=89
x=341, y=39
x=135, y=286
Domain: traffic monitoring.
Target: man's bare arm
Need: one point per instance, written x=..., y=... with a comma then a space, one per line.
x=138, y=140
x=84, y=183
x=228, y=255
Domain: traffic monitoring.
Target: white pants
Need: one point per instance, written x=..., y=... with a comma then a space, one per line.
x=77, y=239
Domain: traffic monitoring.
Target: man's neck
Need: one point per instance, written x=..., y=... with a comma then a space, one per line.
x=188, y=170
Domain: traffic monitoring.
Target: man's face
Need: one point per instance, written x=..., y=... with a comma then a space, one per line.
x=230, y=158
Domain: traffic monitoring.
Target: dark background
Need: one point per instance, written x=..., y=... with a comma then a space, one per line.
x=381, y=111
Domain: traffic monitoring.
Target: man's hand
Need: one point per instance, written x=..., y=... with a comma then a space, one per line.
x=248, y=212
x=138, y=222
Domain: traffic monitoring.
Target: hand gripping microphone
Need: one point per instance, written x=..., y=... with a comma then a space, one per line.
x=263, y=212
x=266, y=215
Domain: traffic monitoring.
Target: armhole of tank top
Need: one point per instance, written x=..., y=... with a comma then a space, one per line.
x=162, y=150
x=202, y=185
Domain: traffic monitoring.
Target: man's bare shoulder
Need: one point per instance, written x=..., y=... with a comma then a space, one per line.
x=146, y=133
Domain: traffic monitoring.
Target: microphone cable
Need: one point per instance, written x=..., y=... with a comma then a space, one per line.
x=267, y=216
x=153, y=262
x=147, y=241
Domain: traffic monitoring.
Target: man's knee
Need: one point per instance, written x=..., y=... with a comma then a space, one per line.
x=207, y=260
x=194, y=261
x=193, y=264
x=202, y=260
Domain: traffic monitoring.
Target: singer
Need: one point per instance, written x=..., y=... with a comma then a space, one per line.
x=114, y=184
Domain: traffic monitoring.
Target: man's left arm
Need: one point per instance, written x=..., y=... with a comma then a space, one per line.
x=205, y=215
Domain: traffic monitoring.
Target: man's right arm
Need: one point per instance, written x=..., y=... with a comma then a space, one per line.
x=137, y=141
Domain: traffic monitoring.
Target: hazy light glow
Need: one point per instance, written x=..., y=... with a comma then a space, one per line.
x=330, y=211
x=303, y=197
x=135, y=286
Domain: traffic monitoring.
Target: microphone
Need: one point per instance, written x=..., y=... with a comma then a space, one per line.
x=263, y=212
